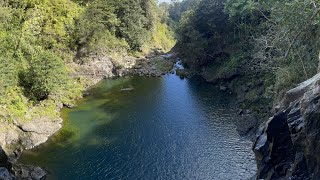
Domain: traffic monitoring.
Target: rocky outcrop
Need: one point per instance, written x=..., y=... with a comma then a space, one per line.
x=12, y=170
x=5, y=174
x=99, y=67
x=5, y=166
x=95, y=68
x=288, y=144
x=28, y=172
x=154, y=66
x=15, y=137
x=214, y=75
x=38, y=130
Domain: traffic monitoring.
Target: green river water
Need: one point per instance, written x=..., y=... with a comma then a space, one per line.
x=163, y=128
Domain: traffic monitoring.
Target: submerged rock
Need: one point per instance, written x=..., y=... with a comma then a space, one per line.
x=288, y=145
x=222, y=88
x=127, y=89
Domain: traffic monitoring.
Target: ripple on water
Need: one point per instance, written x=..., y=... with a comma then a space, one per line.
x=166, y=128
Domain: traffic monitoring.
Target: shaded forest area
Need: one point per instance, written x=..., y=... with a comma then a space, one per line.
x=241, y=42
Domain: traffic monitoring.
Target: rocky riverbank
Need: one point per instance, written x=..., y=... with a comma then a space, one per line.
x=10, y=169
x=19, y=135
x=287, y=145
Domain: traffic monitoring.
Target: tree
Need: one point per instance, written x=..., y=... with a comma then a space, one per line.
x=150, y=12
x=45, y=74
x=133, y=25
x=204, y=31
x=290, y=45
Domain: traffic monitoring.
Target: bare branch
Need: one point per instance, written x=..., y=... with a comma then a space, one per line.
x=301, y=30
x=267, y=17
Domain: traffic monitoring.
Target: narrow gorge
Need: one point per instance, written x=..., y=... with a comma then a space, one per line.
x=170, y=89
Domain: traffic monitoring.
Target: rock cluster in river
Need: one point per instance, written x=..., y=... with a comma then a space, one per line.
x=152, y=66
x=288, y=144
x=101, y=67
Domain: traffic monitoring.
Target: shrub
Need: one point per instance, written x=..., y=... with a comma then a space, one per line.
x=45, y=74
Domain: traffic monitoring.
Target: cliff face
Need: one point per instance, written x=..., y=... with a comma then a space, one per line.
x=288, y=144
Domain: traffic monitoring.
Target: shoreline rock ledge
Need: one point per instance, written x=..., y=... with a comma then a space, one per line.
x=10, y=169
x=287, y=146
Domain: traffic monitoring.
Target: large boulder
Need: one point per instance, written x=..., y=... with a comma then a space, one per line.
x=288, y=145
x=5, y=166
x=297, y=93
x=37, y=131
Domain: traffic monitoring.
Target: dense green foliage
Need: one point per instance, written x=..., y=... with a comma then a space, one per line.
x=40, y=38
x=119, y=25
x=45, y=74
x=35, y=37
x=277, y=38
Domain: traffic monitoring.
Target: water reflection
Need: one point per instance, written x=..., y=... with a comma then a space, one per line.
x=162, y=128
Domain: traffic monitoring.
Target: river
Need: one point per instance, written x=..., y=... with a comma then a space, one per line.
x=148, y=128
